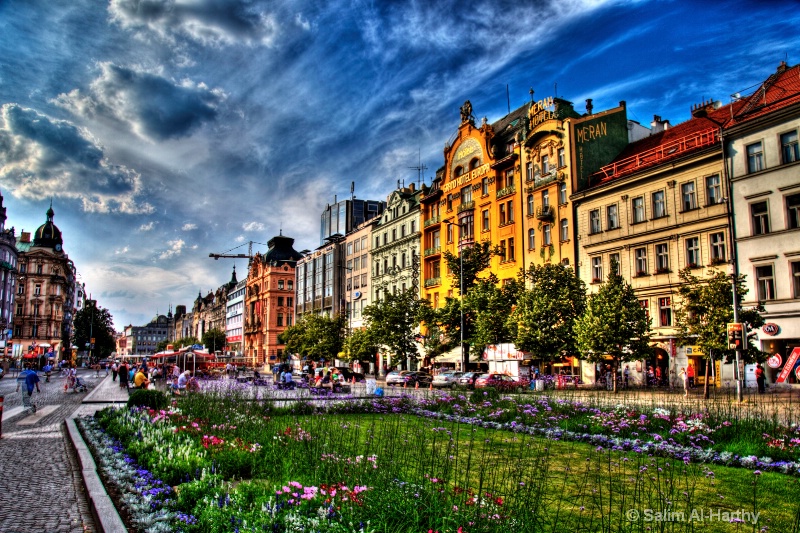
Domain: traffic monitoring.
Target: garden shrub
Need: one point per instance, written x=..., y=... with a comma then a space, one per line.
x=153, y=399
x=482, y=395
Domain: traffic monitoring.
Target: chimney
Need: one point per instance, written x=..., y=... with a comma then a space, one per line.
x=589, y=106
x=25, y=236
x=658, y=125
x=411, y=187
x=702, y=109
x=782, y=67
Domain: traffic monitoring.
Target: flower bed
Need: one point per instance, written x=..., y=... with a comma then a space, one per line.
x=448, y=462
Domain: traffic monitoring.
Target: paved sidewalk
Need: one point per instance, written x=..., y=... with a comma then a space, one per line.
x=41, y=477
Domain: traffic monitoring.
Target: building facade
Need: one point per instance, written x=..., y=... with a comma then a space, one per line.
x=45, y=295
x=395, y=242
x=234, y=320
x=342, y=217
x=8, y=278
x=358, y=285
x=657, y=208
x=269, y=301
x=762, y=158
x=142, y=340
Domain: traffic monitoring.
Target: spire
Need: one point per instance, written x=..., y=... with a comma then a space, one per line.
x=233, y=276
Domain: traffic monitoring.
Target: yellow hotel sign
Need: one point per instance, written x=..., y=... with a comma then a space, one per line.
x=466, y=178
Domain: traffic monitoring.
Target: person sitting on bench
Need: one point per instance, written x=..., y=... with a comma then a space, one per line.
x=286, y=380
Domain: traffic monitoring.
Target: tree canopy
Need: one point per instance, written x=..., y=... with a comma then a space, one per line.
x=95, y=322
x=705, y=310
x=315, y=336
x=392, y=322
x=614, y=324
x=214, y=340
x=544, y=318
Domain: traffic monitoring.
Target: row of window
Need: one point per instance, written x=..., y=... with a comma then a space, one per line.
x=664, y=308
x=412, y=227
x=358, y=244
x=661, y=253
x=790, y=152
x=357, y=263
x=760, y=215
x=658, y=205
x=547, y=239
x=765, y=281
x=533, y=172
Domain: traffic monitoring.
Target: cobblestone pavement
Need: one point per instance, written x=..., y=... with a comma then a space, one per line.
x=41, y=479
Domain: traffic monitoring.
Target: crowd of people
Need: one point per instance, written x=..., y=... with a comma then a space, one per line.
x=142, y=376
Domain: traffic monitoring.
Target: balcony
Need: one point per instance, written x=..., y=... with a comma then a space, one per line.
x=431, y=221
x=508, y=191
x=432, y=251
x=544, y=212
x=432, y=282
x=466, y=206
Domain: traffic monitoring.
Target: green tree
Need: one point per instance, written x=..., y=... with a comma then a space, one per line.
x=95, y=322
x=484, y=305
x=705, y=309
x=359, y=346
x=315, y=336
x=392, y=322
x=543, y=321
x=613, y=325
x=177, y=344
x=476, y=259
x=214, y=339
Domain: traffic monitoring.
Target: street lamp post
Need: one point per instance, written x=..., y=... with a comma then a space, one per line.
x=461, y=298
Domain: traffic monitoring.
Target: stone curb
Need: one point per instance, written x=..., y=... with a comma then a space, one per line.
x=105, y=514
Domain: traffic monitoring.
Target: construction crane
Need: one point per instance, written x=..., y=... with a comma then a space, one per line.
x=248, y=255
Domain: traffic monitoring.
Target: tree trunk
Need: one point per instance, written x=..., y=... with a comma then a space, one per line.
x=705, y=385
x=614, y=375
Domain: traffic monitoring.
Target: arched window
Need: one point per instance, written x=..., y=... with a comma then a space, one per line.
x=458, y=171
x=475, y=163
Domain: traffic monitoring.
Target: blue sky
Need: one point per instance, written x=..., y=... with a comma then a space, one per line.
x=164, y=130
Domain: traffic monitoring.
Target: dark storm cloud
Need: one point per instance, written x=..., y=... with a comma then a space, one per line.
x=41, y=157
x=207, y=21
x=154, y=107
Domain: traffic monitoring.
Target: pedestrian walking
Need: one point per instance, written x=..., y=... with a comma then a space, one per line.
x=761, y=380
x=684, y=376
x=123, y=375
x=26, y=381
x=114, y=368
x=690, y=375
x=48, y=371
x=626, y=374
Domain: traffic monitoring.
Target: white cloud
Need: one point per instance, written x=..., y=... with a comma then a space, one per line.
x=253, y=226
x=188, y=227
x=121, y=251
x=175, y=249
x=148, y=226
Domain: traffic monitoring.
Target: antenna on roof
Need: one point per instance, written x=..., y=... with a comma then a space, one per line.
x=555, y=89
x=420, y=168
x=508, y=99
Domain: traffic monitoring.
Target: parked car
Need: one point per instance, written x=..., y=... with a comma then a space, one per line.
x=348, y=374
x=468, y=379
x=446, y=379
x=412, y=378
x=395, y=377
x=500, y=381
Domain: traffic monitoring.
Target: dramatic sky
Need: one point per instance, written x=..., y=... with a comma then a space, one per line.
x=163, y=130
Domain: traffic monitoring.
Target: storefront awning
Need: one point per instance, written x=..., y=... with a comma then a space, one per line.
x=453, y=356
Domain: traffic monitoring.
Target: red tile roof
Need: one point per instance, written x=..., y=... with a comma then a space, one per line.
x=776, y=92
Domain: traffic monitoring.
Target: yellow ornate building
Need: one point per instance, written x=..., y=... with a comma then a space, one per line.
x=473, y=199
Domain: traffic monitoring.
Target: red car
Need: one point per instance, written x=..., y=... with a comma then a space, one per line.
x=500, y=381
